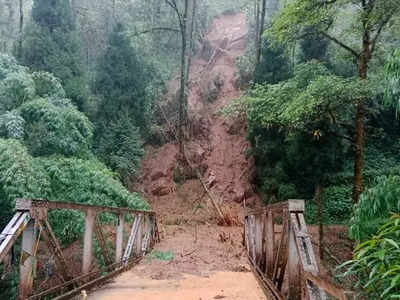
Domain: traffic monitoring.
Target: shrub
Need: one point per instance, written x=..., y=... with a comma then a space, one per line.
x=374, y=207
x=56, y=129
x=376, y=263
x=121, y=147
x=337, y=206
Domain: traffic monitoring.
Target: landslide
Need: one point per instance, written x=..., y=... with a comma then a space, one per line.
x=215, y=146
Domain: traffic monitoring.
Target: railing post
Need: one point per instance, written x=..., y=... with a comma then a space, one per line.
x=120, y=238
x=138, y=244
x=27, y=263
x=270, y=244
x=294, y=264
x=88, y=240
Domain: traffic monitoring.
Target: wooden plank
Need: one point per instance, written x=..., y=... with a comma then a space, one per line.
x=308, y=243
x=269, y=244
x=247, y=235
x=269, y=288
x=253, y=237
x=332, y=289
x=294, y=267
x=306, y=253
x=281, y=258
x=295, y=205
x=276, y=207
x=258, y=238
x=264, y=242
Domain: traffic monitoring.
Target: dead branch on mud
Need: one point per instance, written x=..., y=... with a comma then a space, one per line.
x=225, y=217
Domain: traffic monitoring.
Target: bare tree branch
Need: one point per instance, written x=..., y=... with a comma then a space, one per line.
x=379, y=31
x=155, y=29
x=172, y=4
x=341, y=44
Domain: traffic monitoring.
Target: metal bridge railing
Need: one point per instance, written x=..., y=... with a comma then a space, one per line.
x=31, y=221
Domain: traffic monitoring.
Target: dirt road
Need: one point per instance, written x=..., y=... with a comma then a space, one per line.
x=220, y=285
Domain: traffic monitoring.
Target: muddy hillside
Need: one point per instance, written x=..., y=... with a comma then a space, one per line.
x=217, y=146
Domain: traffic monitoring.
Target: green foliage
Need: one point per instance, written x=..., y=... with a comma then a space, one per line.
x=53, y=14
x=274, y=64
x=392, y=73
x=313, y=46
x=16, y=88
x=51, y=44
x=53, y=128
x=122, y=81
x=312, y=96
x=83, y=181
x=52, y=157
x=374, y=207
x=12, y=125
x=165, y=256
x=376, y=262
x=338, y=206
x=9, y=285
x=20, y=176
x=121, y=146
x=48, y=86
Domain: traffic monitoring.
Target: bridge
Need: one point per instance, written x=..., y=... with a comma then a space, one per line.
x=276, y=240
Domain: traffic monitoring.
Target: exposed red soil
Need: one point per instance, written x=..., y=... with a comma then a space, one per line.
x=217, y=147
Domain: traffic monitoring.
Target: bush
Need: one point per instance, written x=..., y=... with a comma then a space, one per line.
x=56, y=128
x=121, y=147
x=83, y=181
x=376, y=263
x=337, y=206
x=375, y=206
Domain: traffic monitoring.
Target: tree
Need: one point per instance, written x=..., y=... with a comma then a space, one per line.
x=313, y=46
x=183, y=24
x=121, y=147
x=260, y=29
x=121, y=82
x=371, y=18
x=274, y=64
x=51, y=44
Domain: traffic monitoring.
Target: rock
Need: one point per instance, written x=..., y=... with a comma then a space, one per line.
x=161, y=191
x=157, y=175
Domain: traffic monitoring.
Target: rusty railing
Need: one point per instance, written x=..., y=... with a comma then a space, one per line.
x=281, y=254
x=31, y=221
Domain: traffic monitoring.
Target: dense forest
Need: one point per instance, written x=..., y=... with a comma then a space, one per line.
x=81, y=90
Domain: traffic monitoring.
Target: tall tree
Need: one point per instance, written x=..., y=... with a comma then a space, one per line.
x=183, y=24
x=371, y=18
x=260, y=31
x=121, y=82
x=51, y=44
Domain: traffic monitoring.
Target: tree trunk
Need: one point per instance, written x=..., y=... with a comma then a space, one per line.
x=318, y=197
x=21, y=27
x=260, y=32
x=257, y=17
x=182, y=96
x=190, y=51
x=359, y=121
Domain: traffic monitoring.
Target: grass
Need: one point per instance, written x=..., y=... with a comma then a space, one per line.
x=160, y=255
